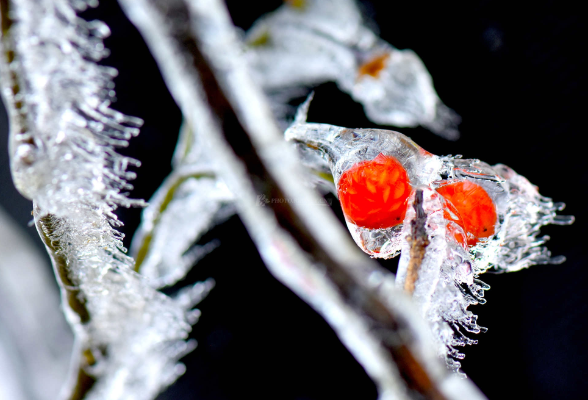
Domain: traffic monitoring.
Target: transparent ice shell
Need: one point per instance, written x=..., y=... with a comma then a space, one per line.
x=325, y=40
x=336, y=149
x=521, y=212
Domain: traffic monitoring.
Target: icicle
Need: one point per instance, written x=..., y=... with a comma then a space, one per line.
x=442, y=281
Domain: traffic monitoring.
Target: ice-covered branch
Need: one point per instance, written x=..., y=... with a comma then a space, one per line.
x=196, y=49
x=63, y=136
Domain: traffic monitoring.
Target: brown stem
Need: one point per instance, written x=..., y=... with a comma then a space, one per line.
x=418, y=240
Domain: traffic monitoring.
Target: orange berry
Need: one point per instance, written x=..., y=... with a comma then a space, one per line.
x=475, y=207
x=373, y=194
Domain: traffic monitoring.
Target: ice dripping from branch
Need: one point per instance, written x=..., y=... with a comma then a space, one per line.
x=327, y=40
x=446, y=283
x=63, y=136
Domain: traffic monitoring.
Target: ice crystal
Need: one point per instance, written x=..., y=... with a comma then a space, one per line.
x=63, y=140
x=135, y=335
x=62, y=152
x=322, y=41
x=447, y=281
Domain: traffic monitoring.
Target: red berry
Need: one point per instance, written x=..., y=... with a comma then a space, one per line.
x=475, y=207
x=374, y=193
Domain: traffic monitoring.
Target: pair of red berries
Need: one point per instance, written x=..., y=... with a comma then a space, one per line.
x=374, y=195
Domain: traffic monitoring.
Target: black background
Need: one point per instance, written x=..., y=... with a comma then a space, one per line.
x=516, y=75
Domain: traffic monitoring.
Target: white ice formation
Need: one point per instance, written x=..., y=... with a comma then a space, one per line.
x=305, y=43
x=129, y=337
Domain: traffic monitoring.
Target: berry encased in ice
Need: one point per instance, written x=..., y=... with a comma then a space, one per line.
x=475, y=207
x=374, y=193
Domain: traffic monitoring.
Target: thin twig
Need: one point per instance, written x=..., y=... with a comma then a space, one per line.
x=418, y=240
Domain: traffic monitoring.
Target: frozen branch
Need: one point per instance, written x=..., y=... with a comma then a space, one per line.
x=315, y=41
x=63, y=136
x=195, y=47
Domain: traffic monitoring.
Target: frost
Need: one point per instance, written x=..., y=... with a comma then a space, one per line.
x=61, y=153
x=320, y=41
x=129, y=337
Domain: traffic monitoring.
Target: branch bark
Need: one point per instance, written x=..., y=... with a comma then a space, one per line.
x=419, y=240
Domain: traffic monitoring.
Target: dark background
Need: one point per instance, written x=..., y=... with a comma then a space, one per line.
x=516, y=75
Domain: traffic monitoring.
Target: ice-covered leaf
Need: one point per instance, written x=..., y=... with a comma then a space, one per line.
x=326, y=40
x=190, y=201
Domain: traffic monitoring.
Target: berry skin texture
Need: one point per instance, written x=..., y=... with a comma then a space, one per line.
x=475, y=207
x=374, y=194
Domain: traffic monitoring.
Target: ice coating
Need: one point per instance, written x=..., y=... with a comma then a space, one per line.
x=338, y=149
x=190, y=201
x=446, y=279
x=129, y=337
x=442, y=270
x=326, y=40
x=62, y=139
x=521, y=213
